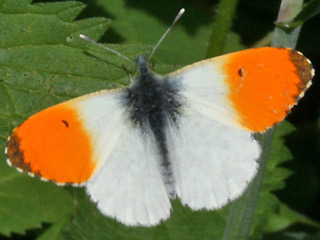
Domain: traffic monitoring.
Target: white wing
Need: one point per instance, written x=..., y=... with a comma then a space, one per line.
x=128, y=187
x=212, y=162
x=206, y=91
x=213, y=157
x=127, y=184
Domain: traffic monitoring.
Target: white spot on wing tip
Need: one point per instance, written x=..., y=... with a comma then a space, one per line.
x=8, y=162
x=60, y=184
x=78, y=184
x=44, y=179
x=300, y=53
x=31, y=174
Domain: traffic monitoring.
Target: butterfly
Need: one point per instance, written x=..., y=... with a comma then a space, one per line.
x=188, y=134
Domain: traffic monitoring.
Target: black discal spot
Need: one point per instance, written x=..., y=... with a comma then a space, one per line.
x=65, y=123
x=152, y=101
x=240, y=72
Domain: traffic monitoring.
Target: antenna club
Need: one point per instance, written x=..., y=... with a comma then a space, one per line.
x=182, y=10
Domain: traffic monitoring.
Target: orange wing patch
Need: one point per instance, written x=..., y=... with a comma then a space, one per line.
x=265, y=83
x=53, y=144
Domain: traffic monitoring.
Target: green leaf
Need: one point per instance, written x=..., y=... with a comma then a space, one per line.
x=54, y=231
x=302, y=188
x=143, y=22
x=309, y=11
x=284, y=217
x=25, y=202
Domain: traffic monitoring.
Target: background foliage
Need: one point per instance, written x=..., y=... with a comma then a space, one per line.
x=43, y=62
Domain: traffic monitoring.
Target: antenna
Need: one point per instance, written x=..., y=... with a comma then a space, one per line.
x=84, y=37
x=180, y=13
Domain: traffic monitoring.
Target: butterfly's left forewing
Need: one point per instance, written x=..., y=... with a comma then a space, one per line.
x=63, y=143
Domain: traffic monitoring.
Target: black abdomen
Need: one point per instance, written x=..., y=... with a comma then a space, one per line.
x=151, y=102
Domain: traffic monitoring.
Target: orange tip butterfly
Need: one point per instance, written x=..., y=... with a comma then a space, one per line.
x=188, y=134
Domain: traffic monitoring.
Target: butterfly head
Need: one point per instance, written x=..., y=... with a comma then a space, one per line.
x=142, y=65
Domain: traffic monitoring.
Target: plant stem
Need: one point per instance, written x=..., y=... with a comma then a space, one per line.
x=221, y=27
x=288, y=10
